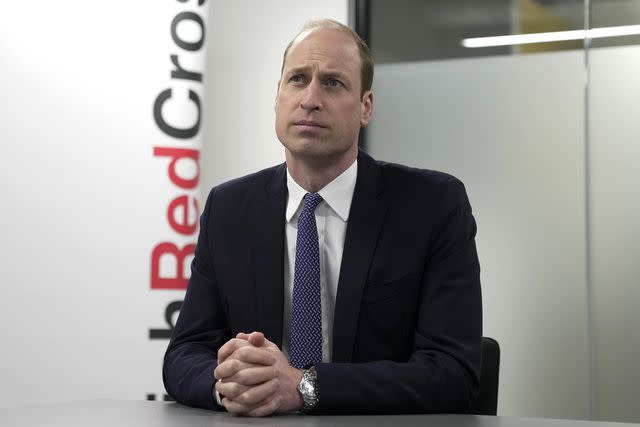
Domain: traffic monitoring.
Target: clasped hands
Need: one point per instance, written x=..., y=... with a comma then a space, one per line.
x=255, y=377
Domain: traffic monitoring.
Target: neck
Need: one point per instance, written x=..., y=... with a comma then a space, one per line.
x=313, y=174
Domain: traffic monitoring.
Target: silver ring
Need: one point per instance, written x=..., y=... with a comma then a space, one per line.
x=218, y=396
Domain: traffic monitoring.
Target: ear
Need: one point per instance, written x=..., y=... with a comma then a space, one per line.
x=366, y=108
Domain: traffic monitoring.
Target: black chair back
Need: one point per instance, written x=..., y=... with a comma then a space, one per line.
x=486, y=403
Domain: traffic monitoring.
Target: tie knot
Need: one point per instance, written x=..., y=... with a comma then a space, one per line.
x=311, y=201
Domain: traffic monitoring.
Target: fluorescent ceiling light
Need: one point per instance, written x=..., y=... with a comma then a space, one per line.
x=593, y=33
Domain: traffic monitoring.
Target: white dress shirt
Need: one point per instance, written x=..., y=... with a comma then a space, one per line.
x=331, y=220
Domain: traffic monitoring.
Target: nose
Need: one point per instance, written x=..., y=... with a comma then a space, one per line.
x=311, y=96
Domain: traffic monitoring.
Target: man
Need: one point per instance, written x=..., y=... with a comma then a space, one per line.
x=361, y=278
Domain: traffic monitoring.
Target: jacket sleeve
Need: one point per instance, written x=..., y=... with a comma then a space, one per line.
x=200, y=330
x=442, y=372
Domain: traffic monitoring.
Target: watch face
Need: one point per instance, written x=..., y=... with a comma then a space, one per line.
x=306, y=388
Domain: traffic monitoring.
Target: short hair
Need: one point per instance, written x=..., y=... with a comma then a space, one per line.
x=366, y=59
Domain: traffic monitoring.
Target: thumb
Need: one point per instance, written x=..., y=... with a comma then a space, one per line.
x=256, y=339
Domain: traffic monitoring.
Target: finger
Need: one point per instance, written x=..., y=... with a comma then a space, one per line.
x=253, y=376
x=230, y=389
x=268, y=345
x=253, y=396
x=229, y=347
x=230, y=367
x=255, y=355
x=234, y=407
x=262, y=409
x=257, y=338
x=270, y=406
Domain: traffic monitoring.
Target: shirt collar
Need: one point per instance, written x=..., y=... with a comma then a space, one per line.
x=337, y=194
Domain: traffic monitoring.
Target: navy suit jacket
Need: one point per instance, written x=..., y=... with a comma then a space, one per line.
x=408, y=317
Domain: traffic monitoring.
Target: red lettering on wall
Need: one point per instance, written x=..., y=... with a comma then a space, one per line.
x=178, y=154
x=181, y=205
x=167, y=248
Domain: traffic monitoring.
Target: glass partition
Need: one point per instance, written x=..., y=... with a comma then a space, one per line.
x=614, y=231
x=532, y=103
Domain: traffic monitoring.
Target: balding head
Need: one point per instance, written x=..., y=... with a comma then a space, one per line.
x=366, y=60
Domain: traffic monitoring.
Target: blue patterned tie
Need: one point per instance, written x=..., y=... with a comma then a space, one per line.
x=306, y=313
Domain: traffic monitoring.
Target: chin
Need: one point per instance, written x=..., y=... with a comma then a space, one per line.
x=320, y=158
x=317, y=149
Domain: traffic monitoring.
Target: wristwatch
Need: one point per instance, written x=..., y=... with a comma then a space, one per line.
x=308, y=389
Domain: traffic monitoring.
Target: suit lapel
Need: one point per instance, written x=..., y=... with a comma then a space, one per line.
x=365, y=221
x=268, y=256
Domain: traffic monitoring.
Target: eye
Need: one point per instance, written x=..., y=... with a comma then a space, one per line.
x=331, y=82
x=297, y=78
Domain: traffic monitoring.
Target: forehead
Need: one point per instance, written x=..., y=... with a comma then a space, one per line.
x=327, y=47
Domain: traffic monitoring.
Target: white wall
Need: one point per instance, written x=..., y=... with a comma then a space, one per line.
x=81, y=198
x=84, y=200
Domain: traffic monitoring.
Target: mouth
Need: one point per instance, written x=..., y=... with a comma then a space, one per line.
x=309, y=124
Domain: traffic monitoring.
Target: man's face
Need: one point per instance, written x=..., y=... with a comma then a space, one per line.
x=319, y=110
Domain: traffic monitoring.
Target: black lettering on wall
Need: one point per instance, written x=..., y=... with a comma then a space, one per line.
x=165, y=397
x=181, y=73
x=200, y=2
x=190, y=46
x=184, y=133
x=164, y=334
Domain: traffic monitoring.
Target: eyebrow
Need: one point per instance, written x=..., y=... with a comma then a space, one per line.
x=303, y=69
